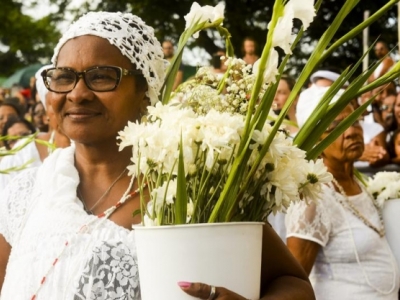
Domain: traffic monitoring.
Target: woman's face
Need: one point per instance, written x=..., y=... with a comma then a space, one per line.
x=18, y=129
x=396, y=110
x=386, y=109
x=39, y=116
x=282, y=94
x=6, y=112
x=90, y=117
x=349, y=146
x=397, y=145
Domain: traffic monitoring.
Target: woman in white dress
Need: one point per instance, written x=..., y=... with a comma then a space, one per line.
x=340, y=240
x=63, y=232
x=33, y=154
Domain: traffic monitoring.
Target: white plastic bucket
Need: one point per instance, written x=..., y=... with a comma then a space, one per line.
x=220, y=254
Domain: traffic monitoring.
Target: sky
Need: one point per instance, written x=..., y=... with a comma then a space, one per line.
x=44, y=8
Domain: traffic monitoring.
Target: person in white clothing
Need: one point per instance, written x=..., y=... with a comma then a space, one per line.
x=66, y=227
x=35, y=152
x=340, y=240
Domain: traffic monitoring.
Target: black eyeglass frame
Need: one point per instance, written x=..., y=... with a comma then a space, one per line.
x=78, y=75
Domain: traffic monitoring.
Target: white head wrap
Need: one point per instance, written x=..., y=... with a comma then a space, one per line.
x=309, y=99
x=40, y=87
x=131, y=36
x=332, y=76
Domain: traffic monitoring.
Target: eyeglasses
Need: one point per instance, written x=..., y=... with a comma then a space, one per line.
x=97, y=79
x=335, y=123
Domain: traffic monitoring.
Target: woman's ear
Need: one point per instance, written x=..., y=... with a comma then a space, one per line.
x=143, y=106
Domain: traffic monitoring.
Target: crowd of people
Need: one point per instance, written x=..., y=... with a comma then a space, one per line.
x=60, y=216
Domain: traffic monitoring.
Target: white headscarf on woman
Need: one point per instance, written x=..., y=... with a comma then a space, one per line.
x=40, y=87
x=309, y=100
x=131, y=36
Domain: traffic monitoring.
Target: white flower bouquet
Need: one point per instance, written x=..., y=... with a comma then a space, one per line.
x=384, y=186
x=209, y=152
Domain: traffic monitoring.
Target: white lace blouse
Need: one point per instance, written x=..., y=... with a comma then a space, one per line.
x=39, y=212
x=354, y=262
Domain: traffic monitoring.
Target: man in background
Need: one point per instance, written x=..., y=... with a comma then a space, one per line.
x=249, y=49
x=168, y=49
x=381, y=52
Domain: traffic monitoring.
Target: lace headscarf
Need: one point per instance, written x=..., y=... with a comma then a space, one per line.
x=131, y=36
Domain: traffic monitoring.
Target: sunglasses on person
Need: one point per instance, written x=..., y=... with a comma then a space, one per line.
x=97, y=79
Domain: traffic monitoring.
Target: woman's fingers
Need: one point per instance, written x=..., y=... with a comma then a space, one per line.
x=199, y=290
x=208, y=292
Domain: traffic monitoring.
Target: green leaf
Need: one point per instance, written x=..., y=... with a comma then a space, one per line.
x=18, y=168
x=136, y=212
x=181, y=194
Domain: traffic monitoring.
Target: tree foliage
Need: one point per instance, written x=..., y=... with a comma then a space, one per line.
x=24, y=40
x=250, y=18
x=242, y=18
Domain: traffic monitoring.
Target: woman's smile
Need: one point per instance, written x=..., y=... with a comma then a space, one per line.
x=80, y=114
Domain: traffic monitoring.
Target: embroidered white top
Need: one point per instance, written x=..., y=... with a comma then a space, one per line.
x=354, y=262
x=39, y=212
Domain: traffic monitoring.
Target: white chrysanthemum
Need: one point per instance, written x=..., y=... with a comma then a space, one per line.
x=220, y=131
x=166, y=192
x=280, y=187
x=316, y=174
x=384, y=186
x=380, y=180
x=390, y=192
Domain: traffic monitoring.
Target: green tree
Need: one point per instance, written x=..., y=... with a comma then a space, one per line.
x=24, y=40
x=242, y=18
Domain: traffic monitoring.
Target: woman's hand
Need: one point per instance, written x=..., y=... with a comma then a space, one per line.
x=208, y=292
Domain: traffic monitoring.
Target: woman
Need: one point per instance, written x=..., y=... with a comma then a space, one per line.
x=285, y=86
x=39, y=118
x=340, y=241
x=108, y=67
x=33, y=154
x=16, y=127
x=8, y=109
x=394, y=147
